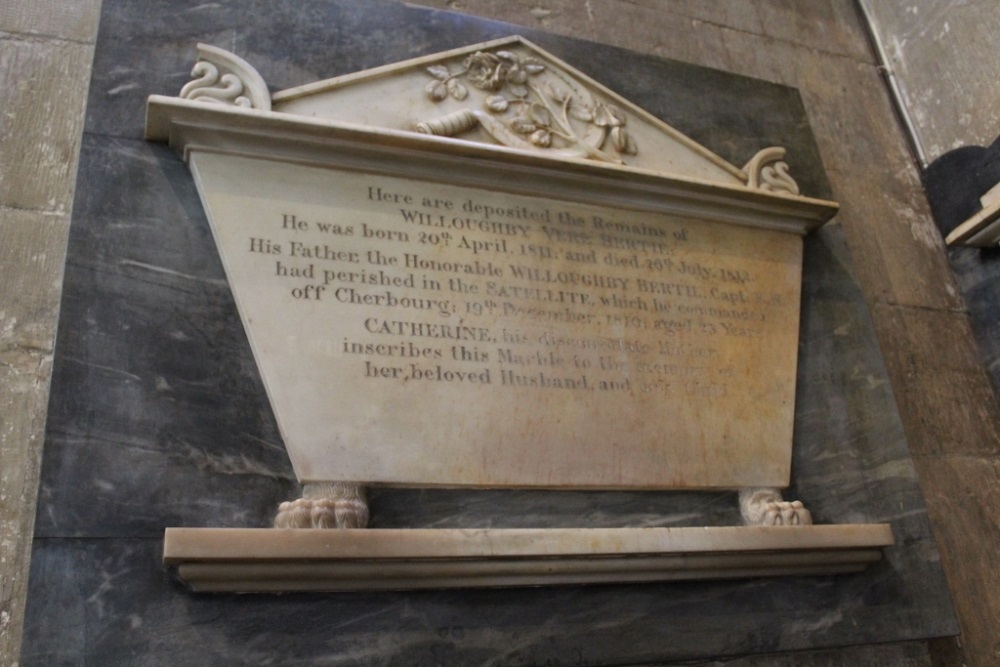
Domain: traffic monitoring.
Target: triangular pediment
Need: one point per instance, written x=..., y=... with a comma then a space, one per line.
x=507, y=95
x=512, y=93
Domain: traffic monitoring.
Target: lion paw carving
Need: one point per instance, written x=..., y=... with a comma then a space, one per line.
x=765, y=507
x=325, y=505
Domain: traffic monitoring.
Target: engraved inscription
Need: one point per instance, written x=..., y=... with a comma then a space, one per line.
x=521, y=339
x=506, y=281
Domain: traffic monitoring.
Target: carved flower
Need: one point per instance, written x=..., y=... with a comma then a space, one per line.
x=486, y=71
x=491, y=71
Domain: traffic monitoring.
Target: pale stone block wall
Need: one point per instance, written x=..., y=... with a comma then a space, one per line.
x=46, y=47
x=944, y=59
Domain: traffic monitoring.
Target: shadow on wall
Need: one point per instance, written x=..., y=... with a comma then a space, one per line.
x=954, y=183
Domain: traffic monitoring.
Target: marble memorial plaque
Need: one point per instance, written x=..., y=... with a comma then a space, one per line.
x=434, y=299
x=482, y=268
x=419, y=333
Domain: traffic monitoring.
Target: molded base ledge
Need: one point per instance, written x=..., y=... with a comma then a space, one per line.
x=271, y=560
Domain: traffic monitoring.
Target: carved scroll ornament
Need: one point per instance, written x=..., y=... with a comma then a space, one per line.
x=768, y=171
x=223, y=78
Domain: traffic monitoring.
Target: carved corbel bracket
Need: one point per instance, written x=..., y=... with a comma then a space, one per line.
x=223, y=78
x=768, y=171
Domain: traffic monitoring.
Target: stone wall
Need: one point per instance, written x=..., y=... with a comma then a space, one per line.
x=45, y=54
x=939, y=55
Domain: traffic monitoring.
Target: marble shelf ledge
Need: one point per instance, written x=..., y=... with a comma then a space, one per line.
x=247, y=560
x=982, y=230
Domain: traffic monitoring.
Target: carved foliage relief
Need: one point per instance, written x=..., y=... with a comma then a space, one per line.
x=523, y=104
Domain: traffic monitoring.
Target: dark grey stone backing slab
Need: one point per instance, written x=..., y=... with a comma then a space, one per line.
x=954, y=184
x=158, y=417
x=121, y=609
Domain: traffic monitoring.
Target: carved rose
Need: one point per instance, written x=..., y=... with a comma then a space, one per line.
x=486, y=71
x=492, y=71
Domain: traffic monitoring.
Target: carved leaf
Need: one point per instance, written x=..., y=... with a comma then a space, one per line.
x=631, y=148
x=522, y=125
x=518, y=89
x=533, y=66
x=581, y=112
x=436, y=90
x=502, y=134
x=617, y=117
x=595, y=136
x=457, y=90
x=497, y=103
x=623, y=141
x=554, y=93
x=439, y=72
x=619, y=139
x=541, y=138
x=540, y=115
x=608, y=115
